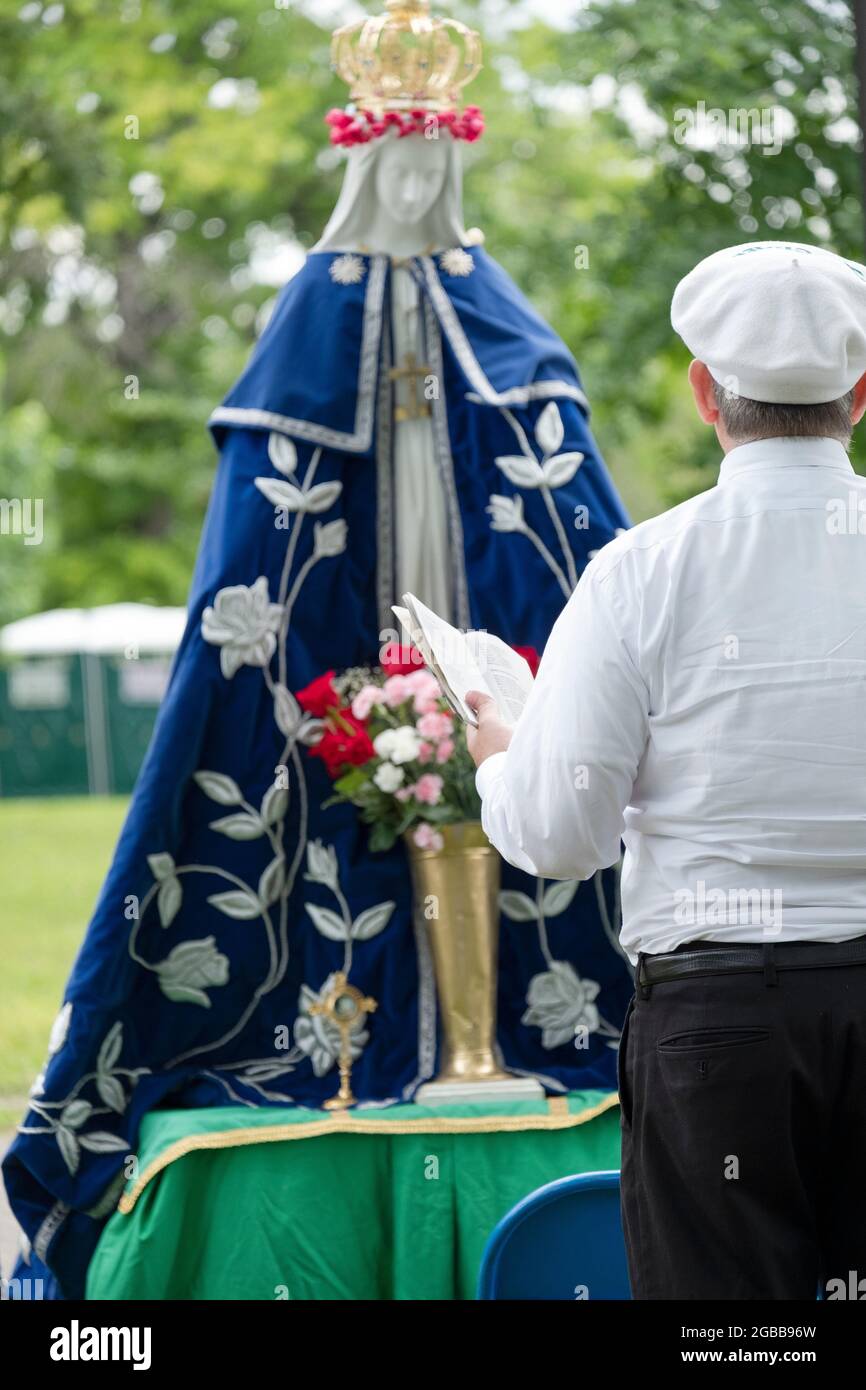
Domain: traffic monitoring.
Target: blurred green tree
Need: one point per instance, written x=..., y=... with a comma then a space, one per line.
x=163, y=163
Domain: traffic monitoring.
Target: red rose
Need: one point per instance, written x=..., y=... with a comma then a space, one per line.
x=344, y=747
x=401, y=661
x=530, y=656
x=319, y=696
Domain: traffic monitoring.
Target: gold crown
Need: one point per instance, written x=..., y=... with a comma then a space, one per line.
x=406, y=58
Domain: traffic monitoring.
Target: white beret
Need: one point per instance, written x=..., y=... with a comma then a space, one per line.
x=776, y=321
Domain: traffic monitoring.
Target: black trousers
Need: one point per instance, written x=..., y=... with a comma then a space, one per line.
x=743, y=1108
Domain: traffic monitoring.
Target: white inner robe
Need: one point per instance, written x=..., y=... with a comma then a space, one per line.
x=423, y=555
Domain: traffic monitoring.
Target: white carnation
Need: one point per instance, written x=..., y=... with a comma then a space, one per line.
x=389, y=778
x=398, y=745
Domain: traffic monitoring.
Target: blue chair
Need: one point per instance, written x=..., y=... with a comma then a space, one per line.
x=562, y=1242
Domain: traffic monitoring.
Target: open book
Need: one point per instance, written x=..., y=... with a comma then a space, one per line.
x=464, y=661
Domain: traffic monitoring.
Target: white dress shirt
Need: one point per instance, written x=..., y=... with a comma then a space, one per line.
x=703, y=698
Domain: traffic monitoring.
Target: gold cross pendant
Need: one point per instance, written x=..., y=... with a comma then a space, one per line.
x=413, y=374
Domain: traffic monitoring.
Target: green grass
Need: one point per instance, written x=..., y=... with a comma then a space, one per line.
x=54, y=854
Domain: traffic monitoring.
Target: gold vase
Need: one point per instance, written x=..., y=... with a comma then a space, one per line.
x=457, y=896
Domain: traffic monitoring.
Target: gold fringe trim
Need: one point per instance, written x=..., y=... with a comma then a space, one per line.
x=558, y=1105
x=350, y=1122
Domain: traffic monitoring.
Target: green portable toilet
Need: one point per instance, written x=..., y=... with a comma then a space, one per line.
x=79, y=693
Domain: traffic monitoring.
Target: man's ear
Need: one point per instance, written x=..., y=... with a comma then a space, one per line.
x=858, y=405
x=705, y=397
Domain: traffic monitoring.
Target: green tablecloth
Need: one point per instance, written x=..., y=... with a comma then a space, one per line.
x=370, y=1204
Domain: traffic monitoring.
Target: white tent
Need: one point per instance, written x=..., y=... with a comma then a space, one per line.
x=82, y=681
x=116, y=628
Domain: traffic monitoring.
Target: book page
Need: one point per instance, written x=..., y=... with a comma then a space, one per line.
x=505, y=671
x=446, y=652
x=470, y=661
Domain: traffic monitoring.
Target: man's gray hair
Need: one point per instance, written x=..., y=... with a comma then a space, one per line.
x=745, y=419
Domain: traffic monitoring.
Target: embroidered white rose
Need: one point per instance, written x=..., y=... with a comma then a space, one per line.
x=560, y=1003
x=244, y=623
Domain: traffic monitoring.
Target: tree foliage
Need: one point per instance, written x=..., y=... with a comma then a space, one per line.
x=161, y=161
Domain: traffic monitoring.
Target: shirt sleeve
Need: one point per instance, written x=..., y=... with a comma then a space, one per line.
x=553, y=803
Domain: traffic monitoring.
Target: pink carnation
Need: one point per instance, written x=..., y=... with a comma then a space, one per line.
x=427, y=691
x=423, y=683
x=428, y=789
x=396, y=691
x=366, y=700
x=435, y=726
x=445, y=751
x=426, y=837
x=426, y=752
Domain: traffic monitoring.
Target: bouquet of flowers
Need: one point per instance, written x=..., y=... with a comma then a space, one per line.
x=394, y=747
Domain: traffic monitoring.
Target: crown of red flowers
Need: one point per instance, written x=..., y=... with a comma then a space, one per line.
x=360, y=127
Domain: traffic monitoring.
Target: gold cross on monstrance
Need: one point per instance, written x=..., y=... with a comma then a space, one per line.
x=412, y=374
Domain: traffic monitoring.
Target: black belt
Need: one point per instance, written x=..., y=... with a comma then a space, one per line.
x=747, y=960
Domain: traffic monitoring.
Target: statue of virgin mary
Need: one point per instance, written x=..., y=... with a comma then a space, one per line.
x=407, y=422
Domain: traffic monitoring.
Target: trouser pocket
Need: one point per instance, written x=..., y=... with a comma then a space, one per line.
x=702, y=1038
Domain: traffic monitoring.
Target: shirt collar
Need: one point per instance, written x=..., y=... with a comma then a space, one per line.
x=785, y=453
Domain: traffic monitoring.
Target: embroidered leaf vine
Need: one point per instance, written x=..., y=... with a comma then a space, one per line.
x=241, y=905
x=287, y=711
x=322, y=496
x=243, y=826
x=272, y=881
x=76, y=1113
x=558, y=897
x=327, y=922
x=282, y=453
x=550, y=430
x=161, y=866
x=372, y=921
x=274, y=804
x=219, y=788
x=518, y=907
x=111, y=1093
x=68, y=1146
x=101, y=1142
x=522, y=471
x=282, y=494
x=168, y=900
x=560, y=470
x=109, y=1052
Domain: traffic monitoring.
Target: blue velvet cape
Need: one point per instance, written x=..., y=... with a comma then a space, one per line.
x=233, y=897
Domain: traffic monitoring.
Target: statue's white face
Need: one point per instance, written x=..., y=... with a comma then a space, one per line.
x=410, y=177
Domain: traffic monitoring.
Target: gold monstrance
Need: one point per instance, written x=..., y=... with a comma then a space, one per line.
x=343, y=1006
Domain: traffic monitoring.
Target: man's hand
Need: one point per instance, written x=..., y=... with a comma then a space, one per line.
x=492, y=735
